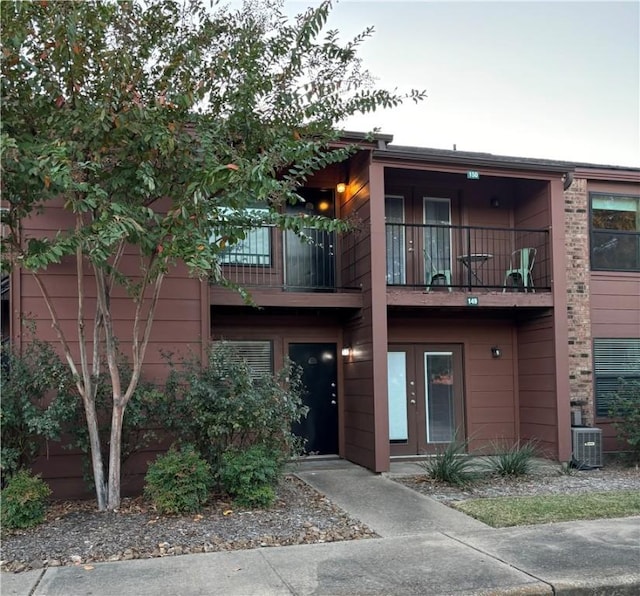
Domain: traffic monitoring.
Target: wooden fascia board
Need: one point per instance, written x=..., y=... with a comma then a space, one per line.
x=449, y=168
x=609, y=175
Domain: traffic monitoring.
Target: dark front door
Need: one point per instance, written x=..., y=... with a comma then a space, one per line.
x=426, y=401
x=320, y=378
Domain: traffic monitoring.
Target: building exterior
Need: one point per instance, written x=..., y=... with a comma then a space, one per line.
x=477, y=298
x=602, y=209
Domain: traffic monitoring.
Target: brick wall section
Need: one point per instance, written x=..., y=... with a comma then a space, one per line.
x=576, y=201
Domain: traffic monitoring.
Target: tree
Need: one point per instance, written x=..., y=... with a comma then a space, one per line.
x=153, y=124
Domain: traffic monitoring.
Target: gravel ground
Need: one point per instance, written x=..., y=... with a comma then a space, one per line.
x=75, y=533
x=544, y=481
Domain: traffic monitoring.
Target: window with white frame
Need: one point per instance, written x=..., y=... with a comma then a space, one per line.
x=615, y=362
x=615, y=232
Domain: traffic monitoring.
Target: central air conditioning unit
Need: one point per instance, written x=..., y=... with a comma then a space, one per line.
x=586, y=444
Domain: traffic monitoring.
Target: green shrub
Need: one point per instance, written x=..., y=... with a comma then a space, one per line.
x=625, y=409
x=450, y=465
x=566, y=469
x=223, y=406
x=24, y=500
x=139, y=425
x=178, y=481
x=512, y=460
x=37, y=391
x=40, y=402
x=250, y=476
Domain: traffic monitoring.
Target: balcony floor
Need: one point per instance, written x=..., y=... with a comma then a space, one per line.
x=288, y=299
x=399, y=296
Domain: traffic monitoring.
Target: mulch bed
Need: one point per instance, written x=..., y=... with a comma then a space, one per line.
x=75, y=533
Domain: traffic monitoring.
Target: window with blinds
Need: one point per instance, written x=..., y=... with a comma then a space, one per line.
x=613, y=360
x=257, y=354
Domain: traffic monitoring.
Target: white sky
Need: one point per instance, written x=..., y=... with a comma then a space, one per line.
x=554, y=80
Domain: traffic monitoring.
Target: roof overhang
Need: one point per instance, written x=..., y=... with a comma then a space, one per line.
x=469, y=159
x=608, y=173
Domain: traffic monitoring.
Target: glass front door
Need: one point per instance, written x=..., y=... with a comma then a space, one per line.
x=437, y=241
x=395, y=240
x=310, y=262
x=426, y=403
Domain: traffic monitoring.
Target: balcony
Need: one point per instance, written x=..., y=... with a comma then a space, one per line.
x=446, y=259
x=280, y=269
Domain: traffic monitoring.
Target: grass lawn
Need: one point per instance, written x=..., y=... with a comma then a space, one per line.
x=501, y=512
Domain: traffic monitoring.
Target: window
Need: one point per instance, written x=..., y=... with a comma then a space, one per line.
x=255, y=248
x=258, y=354
x=615, y=232
x=613, y=360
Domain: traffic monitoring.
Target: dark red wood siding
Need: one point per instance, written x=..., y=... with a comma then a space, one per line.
x=615, y=313
x=537, y=382
x=490, y=384
x=359, y=379
x=178, y=327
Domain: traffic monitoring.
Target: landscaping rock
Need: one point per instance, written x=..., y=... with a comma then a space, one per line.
x=76, y=533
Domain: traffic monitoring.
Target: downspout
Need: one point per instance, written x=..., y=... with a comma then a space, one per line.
x=567, y=180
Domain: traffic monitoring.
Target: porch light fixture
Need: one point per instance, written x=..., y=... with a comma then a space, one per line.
x=496, y=352
x=341, y=187
x=346, y=351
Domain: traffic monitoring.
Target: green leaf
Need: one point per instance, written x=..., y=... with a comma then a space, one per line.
x=157, y=124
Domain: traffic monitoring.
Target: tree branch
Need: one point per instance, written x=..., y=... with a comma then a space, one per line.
x=82, y=341
x=55, y=323
x=103, y=301
x=135, y=348
x=98, y=323
x=116, y=261
x=142, y=348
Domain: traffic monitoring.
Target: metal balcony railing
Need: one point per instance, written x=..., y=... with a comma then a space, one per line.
x=270, y=258
x=445, y=257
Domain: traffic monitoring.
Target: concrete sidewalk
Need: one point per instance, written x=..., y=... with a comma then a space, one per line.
x=425, y=548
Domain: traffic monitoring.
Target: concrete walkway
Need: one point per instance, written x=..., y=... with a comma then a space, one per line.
x=389, y=508
x=425, y=548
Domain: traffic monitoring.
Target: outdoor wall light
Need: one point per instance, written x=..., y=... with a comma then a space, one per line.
x=341, y=187
x=346, y=351
x=496, y=352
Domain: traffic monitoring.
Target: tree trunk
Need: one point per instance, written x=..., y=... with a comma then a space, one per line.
x=96, y=453
x=85, y=389
x=115, y=449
